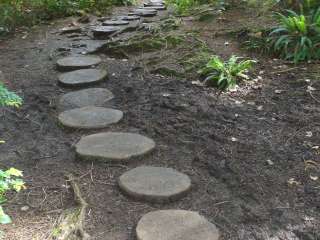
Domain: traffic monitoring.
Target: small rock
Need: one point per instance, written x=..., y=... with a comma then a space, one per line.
x=25, y=208
x=269, y=162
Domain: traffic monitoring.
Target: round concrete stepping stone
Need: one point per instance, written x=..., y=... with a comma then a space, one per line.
x=175, y=225
x=86, y=97
x=113, y=146
x=104, y=31
x=73, y=63
x=144, y=12
x=159, y=8
x=83, y=77
x=90, y=117
x=155, y=184
x=154, y=3
x=129, y=18
x=115, y=23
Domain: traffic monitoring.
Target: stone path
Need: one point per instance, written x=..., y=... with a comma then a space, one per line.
x=113, y=146
x=155, y=184
x=175, y=225
x=83, y=77
x=73, y=63
x=86, y=97
x=90, y=117
x=85, y=109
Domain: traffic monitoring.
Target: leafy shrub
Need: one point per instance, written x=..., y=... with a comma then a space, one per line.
x=15, y=13
x=225, y=75
x=8, y=98
x=185, y=6
x=297, y=37
x=9, y=180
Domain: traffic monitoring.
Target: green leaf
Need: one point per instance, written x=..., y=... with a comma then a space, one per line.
x=14, y=172
x=4, y=218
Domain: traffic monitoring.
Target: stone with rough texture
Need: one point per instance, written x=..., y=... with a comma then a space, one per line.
x=175, y=225
x=113, y=146
x=144, y=12
x=155, y=184
x=156, y=7
x=104, y=31
x=82, y=77
x=73, y=63
x=90, y=117
x=115, y=23
x=129, y=18
x=86, y=97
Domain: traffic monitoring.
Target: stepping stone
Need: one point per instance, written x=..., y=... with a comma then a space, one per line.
x=113, y=146
x=73, y=63
x=87, y=97
x=155, y=184
x=104, y=31
x=66, y=30
x=115, y=23
x=154, y=3
x=159, y=8
x=83, y=77
x=90, y=117
x=175, y=225
x=144, y=12
x=129, y=18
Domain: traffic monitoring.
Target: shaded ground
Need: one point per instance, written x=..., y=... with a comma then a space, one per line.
x=251, y=159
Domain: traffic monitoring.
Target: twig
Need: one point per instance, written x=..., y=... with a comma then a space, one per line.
x=71, y=222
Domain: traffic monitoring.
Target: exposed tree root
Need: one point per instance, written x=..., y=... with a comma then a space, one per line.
x=71, y=222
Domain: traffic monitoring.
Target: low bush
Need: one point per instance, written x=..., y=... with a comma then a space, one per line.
x=225, y=74
x=9, y=180
x=184, y=7
x=15, y=13
x=297, y=37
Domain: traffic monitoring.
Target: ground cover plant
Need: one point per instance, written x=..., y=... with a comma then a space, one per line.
x=225, y=74
x=297, y=37
x=184, y=7
x=9, y=179
x=15, y=13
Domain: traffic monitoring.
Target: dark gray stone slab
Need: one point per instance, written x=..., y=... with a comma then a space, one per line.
x=86, y=97
x=154, y=3
x=159, y=8
x=115, y=23
x=90, y=117
x=144, y=12
x=155, y=184
x=74, y=29
x=175, y=225
x=129, y=18
x=73, y=63
x=82, y=77
x=113, y=146
x=104, y=31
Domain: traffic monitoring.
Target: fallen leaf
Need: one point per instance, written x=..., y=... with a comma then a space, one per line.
x=309, y=134
x=314, y=178
x=292, y=181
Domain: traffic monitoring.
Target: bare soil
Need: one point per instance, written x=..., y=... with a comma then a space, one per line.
x=250, y=154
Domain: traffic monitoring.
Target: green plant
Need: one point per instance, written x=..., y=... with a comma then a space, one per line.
x=297, y=37
x=184, y=7
x=8, y=98
x=225, y=74
x=14, y=13
x=9, y=180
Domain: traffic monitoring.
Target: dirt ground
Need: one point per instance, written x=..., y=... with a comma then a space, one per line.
x=252, y=154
